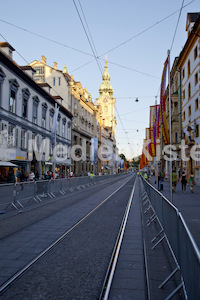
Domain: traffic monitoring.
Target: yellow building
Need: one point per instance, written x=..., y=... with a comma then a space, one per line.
x=107, y=102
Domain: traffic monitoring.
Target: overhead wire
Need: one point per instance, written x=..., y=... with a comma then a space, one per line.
x=143, y=31
x=89, y=32
x=46, y=38
x=87, y=36
x=89, y=54
x=177, y=25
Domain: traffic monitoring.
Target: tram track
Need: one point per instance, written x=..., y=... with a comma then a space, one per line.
x=20, y=274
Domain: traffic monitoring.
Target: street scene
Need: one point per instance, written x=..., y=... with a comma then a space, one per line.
x=100, y=150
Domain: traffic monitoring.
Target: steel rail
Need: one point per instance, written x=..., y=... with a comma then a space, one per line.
x=45, y=251
x=113, y=262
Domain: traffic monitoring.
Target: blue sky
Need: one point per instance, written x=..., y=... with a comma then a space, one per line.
x=145, y=28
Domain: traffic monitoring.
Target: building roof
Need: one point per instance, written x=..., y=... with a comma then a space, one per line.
x=191, y=38
x=5, y=44
x=44, y=84
x=19, y=72
x=26, y=68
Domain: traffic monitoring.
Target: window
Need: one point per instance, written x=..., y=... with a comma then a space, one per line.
x=183, y=73
x=196, y=78
x=195, y=53
x=183, y=116
x=63, y=127
x=189, y=110
x=35, y=108
x=58, y=125
x=54, y=81
x=189, y=91
x=23, y=139
x=197, y=130
x=176, y=137
x=25, y=97
x=44, y=110
x=188, y=68
x=69, y=131
x=183, y=94
x=11, y=136
x=59, y=80
x=13, y=95
x=2, y=76
x=12, y=101
x=196, y=104
x=75, y=104
x=39, y=70
x=51, y=119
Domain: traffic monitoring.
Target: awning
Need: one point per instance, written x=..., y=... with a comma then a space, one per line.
x=7, y=164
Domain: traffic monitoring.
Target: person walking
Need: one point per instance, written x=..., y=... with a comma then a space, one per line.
x=183, y=181
x=174, y=181
x=192, y=182
x=91, y=175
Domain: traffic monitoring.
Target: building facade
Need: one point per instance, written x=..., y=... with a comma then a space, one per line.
x=189, y=66
x=26, y=116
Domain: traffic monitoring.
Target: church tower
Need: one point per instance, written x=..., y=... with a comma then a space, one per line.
x=107, y=102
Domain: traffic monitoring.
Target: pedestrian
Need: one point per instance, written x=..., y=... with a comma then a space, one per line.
x=31, y=176
x=22, y=179
x=26, y=176
x=183, y=181
x=192, y=182
x=48, y=176
x=37, y=176
x=145, y=176
x=159, y=181
x=174, y=181
x=91, y=175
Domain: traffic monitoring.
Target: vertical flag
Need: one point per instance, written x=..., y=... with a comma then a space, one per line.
x=152, y=127
x=94, y=149
x=163, y=118
x=54, y=128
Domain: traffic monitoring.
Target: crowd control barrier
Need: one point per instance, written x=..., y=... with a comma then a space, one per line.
x=20, y=194
x=181, y=243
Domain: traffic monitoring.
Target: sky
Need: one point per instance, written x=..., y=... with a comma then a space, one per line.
x=133, y=36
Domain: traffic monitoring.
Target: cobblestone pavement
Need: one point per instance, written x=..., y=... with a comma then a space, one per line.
x=74, y=269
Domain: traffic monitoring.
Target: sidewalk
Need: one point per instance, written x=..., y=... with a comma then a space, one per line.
x=187, y=203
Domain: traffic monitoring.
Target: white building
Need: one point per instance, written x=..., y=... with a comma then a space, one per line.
x=26, y=113
x=189, y=65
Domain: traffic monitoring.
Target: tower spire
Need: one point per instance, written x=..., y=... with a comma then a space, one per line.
x=106, y=87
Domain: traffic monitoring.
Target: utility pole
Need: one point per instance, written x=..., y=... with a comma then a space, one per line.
x=170, y=129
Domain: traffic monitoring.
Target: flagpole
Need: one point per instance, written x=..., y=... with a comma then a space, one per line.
x=54, y=159
x=156, y=144
x=170, y=128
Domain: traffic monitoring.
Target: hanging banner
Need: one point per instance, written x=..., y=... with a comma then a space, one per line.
x=147, y=138
x=94, y=150
x=152, y=130
x=157, y=121
x=54, y=128
x=163, y=118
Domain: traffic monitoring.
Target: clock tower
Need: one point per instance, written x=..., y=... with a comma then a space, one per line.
x=107, y=102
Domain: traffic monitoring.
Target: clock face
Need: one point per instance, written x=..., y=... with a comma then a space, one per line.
x=105, y=100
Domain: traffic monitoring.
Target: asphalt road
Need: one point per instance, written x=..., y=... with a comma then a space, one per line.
x=75, y=268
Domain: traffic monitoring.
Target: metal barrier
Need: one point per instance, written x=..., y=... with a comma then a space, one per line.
x=21, y=194
x=181, y=243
